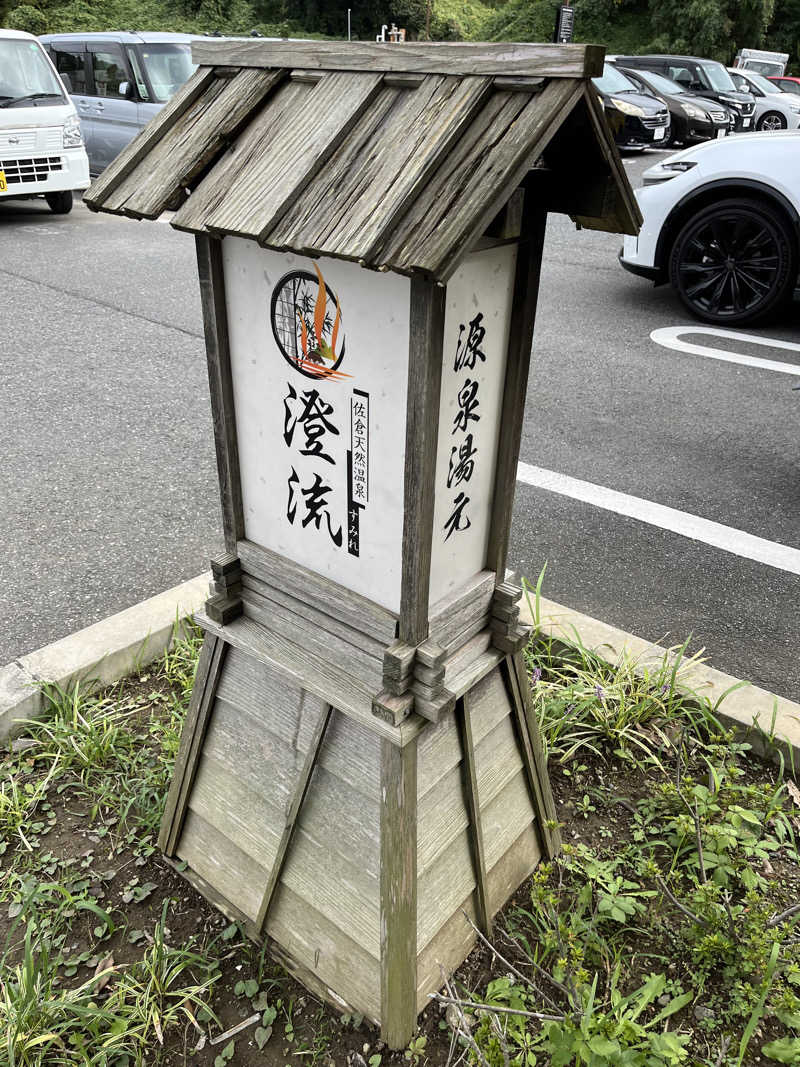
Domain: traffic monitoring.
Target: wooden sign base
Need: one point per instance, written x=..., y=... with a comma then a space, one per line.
x=351, y=843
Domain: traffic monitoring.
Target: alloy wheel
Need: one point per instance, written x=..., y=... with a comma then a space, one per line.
x=729, y=264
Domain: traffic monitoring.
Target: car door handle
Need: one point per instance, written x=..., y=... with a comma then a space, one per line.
x=100, y=106
x=83, y=104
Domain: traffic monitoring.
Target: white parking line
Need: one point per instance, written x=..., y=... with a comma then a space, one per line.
x=726, y=538
x=671, y=337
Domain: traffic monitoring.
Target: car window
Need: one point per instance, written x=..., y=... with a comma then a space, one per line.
x=717, y=76
x=683, y=76
x=108, y=70
x=168, y=67
x=613, y=81
x=138, y=74
x=759, y=82
x=72, y=64
x=26, y=77
x=662, y=84
x=789, y=86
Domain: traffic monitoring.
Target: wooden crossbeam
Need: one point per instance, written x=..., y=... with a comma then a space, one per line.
x=503, y=60
x=292, y=813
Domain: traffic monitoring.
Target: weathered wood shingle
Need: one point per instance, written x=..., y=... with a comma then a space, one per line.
x=397, y=158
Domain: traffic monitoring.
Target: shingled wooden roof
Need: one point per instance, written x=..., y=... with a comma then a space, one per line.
x=397, y=156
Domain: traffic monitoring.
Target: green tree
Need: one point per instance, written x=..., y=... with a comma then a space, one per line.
x=27, y=18
x=713, y=28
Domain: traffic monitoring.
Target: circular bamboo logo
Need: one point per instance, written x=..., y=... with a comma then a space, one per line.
x=307, y=324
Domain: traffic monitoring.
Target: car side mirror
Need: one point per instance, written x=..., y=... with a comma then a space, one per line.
x=67, y=83
x=126, y=90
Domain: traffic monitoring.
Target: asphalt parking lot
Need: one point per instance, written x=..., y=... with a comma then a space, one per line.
x=651, y=477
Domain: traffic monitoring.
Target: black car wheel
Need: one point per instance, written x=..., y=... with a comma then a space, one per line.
x=734, y=261
x=772, y=121
x=59, y=203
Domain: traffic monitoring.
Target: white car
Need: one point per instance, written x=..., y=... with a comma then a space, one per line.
x=722, y=225
x=41, y=144
x=775, y=109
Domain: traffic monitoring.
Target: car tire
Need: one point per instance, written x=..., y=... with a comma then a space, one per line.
x=734, y=261
x=59, y=203
x=772, y=120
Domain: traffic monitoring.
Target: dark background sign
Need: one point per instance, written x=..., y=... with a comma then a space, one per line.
x=565, y=24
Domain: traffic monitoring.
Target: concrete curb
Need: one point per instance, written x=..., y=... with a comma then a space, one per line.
x=753, y=710
x=98, y=655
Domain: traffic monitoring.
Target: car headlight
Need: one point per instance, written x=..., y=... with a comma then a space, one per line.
x=627, y=108
x=795, y=105
x=694, y=112
x=71, y=133
x=679, y=165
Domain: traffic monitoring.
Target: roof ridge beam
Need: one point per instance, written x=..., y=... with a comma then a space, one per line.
x=463, y=58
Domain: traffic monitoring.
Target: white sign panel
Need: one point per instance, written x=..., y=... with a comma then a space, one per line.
x=319, y=355
x=476, y=325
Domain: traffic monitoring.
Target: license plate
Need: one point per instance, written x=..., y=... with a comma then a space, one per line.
x=658, y=133
x=745, y=123
x=3, y=182
x=720, y=133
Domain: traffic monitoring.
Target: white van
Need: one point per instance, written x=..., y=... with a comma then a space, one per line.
x=41, y=145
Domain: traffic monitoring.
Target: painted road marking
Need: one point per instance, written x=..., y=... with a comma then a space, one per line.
x=726, y=538
x=671, y=337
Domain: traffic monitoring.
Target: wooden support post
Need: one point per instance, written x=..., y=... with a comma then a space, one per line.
x=424, y=386
x=515, y=675
x=464, y=722
x=520, y=340
x=215, y=322
x=292, y=813
x=398, y=907
x=209, y=669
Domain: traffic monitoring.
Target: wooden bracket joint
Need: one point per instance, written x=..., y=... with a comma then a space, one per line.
x=225, y=602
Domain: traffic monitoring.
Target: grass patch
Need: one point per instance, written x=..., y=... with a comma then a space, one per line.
x=666, y=933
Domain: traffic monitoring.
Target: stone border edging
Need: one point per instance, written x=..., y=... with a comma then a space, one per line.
x=112, y=648
x=99, y=654
x=748, y=708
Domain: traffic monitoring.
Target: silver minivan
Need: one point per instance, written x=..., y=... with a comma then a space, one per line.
x=118, y=82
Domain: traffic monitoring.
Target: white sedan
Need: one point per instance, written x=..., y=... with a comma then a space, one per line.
x=722, y=225
x=775, y=109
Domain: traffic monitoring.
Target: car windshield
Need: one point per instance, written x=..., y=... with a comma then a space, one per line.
x=761, y=82
x=168, y=66
x=660, y=83
x=763, y=66
x=718, y=77
x=26, y=77
x=614, y=81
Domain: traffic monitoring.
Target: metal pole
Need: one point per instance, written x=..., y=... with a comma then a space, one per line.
x=348, y=24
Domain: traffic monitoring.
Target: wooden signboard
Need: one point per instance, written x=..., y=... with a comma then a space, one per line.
x=360, y=762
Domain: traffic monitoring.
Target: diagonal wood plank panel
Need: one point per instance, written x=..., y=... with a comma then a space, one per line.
x=454, y=207
x=129, y=159
x=254, y=140
x=194, y=141
x=300, y=146
x=417, y=128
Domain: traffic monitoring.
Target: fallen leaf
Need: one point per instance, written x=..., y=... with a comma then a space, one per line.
x=793, y=791
x=769, y=870
x=157, y=1026
x=21, y=744
x=105, y=968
